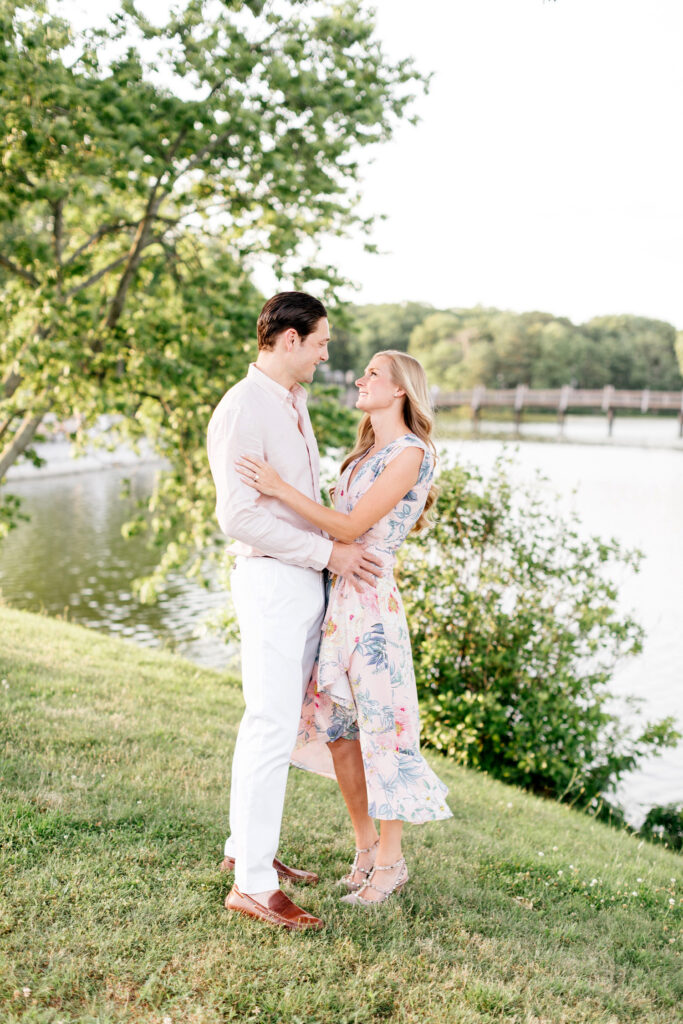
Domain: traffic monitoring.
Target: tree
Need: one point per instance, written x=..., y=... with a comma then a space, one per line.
x=679, y=350
x=371, y=328
x=640, y=352
x=568, y=355
x=388, y=325
x=454, y=349
x=516, y=630
x=145, y=168
x=436, y=344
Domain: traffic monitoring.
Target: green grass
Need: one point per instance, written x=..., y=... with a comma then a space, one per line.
x=115, y=772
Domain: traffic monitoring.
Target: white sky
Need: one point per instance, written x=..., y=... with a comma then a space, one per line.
x=547, y=169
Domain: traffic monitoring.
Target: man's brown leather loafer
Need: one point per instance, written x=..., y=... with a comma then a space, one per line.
x=278, y=910
x=291, y=874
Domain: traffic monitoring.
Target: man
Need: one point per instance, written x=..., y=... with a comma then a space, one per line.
x=277, y=589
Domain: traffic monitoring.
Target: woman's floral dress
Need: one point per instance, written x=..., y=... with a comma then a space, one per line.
x=363, y=683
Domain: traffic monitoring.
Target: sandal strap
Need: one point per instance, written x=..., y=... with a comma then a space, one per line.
x=390, y=867
x=371, y=885
x=378, y=888
x=354, y=867
x=368, y=849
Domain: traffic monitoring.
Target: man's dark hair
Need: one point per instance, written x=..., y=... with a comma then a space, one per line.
x=288, y=309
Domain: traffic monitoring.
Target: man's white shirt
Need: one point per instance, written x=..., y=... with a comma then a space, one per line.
x=262, y=418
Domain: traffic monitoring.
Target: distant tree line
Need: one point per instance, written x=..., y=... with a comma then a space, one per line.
x=463, y=348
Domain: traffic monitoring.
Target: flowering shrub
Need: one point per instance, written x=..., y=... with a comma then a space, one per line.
x=516, y=632
x=664, y=823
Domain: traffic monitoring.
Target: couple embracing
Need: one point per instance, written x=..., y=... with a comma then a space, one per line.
x=328, y=677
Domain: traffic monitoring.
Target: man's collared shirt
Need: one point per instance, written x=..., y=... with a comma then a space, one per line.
x=262, y=418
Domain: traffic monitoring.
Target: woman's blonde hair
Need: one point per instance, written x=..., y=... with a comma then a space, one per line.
x=407, y=373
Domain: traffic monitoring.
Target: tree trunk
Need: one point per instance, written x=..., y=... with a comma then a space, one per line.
x=11, y=383
x=19, y=442
x=4, y=427
x=140, y=241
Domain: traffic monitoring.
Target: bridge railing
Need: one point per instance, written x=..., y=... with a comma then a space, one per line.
x=562, y=400
x=607, y=400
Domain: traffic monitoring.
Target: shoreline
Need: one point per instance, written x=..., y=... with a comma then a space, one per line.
x=60, y=459
x=520, y=438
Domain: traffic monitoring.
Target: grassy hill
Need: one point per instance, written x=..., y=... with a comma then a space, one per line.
x=115, y=767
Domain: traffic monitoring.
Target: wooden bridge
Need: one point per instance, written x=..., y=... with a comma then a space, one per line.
x=561, y=401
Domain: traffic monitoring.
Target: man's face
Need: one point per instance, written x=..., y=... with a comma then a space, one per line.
x=306, y=354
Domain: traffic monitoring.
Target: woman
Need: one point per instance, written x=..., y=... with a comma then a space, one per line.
x=360, y=720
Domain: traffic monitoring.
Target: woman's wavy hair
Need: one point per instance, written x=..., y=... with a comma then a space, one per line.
x=407, y=373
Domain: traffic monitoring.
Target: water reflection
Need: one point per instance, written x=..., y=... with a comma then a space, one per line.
x=72, y=560
x=630, y=431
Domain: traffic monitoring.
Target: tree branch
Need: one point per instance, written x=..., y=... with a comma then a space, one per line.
x=5, y=426
x=176, y=146
x=14, y=268
x=198, y=157
x=20, y=441
x=173, y=258
x=134, y=255
x=58, y=231
x=11, y=383
x=95, y=277
x=106, y=229
x=183, y=133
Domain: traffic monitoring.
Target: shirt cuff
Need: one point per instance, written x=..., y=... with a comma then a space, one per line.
x=320, y=555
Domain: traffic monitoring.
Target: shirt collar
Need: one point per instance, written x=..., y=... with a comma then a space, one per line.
x=294, y=396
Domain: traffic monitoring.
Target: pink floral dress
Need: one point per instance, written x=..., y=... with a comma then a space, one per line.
x=363, y=683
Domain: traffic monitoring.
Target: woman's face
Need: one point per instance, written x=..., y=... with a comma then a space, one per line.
x=376, y=389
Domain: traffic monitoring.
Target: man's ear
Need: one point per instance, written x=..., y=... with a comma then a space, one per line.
x=290, y=338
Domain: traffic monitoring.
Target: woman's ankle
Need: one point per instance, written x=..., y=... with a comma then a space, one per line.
x=387, y=856
x=390, y=843
x=368, y=844
x=366, y=838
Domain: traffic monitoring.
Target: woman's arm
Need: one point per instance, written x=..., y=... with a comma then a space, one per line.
x=391, y=485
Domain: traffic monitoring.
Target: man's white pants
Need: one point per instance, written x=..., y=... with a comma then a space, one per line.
x=280, y=610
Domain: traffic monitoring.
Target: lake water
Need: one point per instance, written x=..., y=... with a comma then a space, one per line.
x=70, y=559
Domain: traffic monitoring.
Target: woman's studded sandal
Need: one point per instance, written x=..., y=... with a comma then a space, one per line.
x=347, y=880
x=356, y=898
